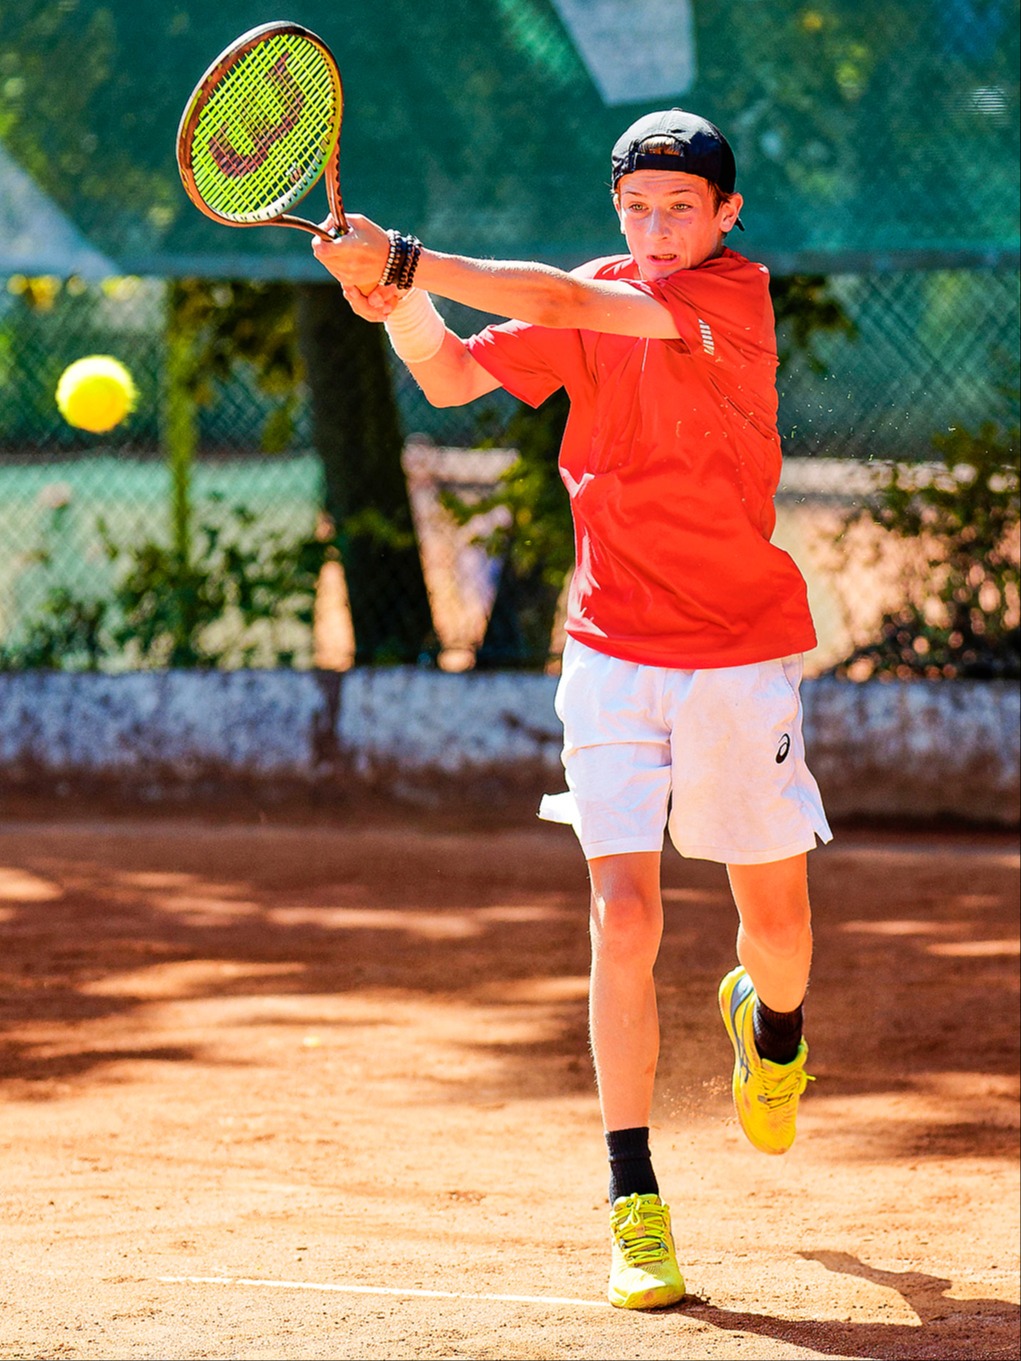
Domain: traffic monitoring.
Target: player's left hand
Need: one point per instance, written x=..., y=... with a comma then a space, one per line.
x=357, y=258
x=375, y=306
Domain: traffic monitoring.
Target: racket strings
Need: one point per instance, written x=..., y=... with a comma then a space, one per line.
x=267, y=129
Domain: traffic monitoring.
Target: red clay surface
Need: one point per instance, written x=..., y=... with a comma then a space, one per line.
x=321, y=1089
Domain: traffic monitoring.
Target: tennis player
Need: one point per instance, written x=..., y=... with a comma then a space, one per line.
x=679, y=691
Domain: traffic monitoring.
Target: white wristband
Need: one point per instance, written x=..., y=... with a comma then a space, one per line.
x=415, y=328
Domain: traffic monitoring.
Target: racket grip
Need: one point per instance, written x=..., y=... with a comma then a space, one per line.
x=333, y=194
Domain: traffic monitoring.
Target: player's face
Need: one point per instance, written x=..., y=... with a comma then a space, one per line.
x=670, y=220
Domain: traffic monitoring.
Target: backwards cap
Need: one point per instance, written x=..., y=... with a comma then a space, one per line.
x=699, y=148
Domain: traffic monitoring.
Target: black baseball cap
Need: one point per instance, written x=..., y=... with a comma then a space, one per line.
x=700, y=148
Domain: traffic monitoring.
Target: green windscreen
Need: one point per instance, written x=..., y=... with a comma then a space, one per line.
x=864, y=130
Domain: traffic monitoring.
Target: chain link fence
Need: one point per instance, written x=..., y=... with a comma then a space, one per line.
x=916, y=354
x=283, y=495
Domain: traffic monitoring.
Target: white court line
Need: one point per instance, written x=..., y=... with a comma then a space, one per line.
x=377, y=1290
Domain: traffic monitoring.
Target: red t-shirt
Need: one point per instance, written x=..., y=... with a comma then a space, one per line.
x=671, y=458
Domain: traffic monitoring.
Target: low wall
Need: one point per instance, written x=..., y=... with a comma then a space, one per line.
x=916, y=749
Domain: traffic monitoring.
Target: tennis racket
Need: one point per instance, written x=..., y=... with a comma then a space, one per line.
x=261, y=127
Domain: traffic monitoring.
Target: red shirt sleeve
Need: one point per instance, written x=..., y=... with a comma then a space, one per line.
x=531, y=362
x=722, y=310
x=724, y=316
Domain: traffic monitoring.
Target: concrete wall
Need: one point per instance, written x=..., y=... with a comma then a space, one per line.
x=907, y=749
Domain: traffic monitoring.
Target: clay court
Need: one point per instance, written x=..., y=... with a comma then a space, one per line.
x=289, y=1087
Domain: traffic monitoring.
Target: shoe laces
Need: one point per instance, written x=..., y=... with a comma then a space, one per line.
x=781, y=1090
x=640, y=1229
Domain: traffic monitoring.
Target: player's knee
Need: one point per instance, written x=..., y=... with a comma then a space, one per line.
x=626, y=928
x=785, y=934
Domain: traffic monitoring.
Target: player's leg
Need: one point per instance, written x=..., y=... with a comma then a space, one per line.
x=743, y=795
x=617, y=760
x=774, y=938
x=626, y=927
x=762, y=1001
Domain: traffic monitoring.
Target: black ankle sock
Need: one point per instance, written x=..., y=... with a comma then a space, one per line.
x=778, y=1033
x=630, y=1163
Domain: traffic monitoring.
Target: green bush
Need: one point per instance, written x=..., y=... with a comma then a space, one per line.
x=241, y=597
x=960, y=591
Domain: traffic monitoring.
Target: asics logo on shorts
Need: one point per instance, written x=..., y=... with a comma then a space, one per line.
x=783, y=749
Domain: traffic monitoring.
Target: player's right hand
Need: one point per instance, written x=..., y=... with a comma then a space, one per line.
x=356, y=259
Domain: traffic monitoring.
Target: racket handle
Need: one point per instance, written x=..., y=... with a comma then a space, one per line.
x=333, y=194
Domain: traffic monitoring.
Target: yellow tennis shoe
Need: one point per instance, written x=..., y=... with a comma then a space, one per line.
x=766, y=1094
x=644, y=1273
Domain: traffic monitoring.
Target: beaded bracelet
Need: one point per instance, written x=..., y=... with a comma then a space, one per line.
x=401, y=261
x=395, y=258
x=409, y=264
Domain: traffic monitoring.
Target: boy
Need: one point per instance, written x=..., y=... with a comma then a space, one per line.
x=679, y=684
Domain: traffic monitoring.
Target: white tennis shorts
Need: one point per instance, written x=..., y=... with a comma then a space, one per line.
x=716, y=756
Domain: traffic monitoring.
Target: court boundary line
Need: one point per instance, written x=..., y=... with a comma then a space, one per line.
x=408, y=1292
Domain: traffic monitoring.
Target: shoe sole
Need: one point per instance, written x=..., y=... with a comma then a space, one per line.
x=660, y=1298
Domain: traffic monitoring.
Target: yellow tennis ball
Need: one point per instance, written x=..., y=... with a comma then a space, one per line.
x=96, y=393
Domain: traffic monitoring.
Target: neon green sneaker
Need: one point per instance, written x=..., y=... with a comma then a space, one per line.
x=644, y=1272
x=766, y=1094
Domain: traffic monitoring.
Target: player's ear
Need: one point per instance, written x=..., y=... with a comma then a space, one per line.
x=730, y=212
x=616, y=208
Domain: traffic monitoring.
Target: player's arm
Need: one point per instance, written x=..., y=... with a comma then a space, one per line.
x=530, y=292
x=451, y=377
x=545, y=296
x=438, y=359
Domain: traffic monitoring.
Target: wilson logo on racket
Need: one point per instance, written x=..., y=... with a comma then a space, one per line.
x=262, y=135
